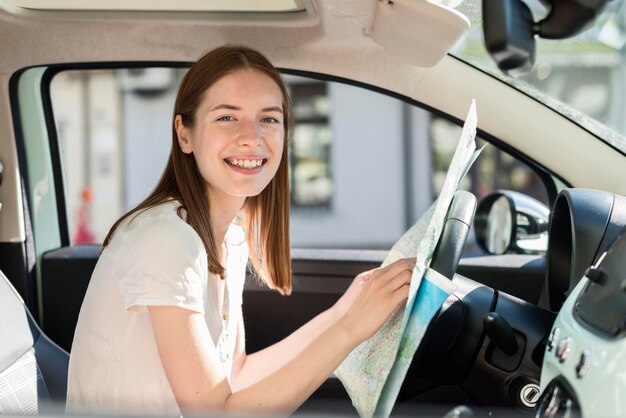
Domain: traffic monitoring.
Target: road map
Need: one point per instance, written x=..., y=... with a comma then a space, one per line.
x=373, y=373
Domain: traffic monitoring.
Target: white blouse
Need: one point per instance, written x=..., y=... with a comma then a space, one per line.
x=156, y=258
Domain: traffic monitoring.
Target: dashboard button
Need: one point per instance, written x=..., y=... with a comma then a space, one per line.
x=583, y=364
x=564, y=349
x=554, y=336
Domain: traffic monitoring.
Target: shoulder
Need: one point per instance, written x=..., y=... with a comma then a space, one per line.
x=161, y=226
x=160, y=260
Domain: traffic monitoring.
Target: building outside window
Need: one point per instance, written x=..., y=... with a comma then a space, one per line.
x=310, y=161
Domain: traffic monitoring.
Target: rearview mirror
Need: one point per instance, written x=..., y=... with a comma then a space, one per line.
x=509, y=28
x=511, y=222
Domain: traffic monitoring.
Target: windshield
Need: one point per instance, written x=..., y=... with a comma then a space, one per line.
x=583, y=78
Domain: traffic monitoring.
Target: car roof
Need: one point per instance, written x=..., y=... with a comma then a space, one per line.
x=323, y=36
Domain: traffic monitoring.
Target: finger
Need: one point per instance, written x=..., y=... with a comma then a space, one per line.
x=397, y=298
x=400, y=295
x=395, y=268
x=408, y=263
x=401, y=279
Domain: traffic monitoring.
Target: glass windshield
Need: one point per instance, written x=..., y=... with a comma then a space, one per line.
x=583, y=78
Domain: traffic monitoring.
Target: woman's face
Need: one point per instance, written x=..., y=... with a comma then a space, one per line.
x=238, y=136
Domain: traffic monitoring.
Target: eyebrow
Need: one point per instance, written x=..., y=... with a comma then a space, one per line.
x=233, y=107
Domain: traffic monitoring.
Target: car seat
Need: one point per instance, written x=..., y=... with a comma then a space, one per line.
x=33, y=369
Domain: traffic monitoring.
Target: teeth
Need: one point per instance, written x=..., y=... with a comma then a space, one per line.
x=246, y=163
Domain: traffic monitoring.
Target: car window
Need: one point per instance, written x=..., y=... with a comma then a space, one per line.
x=364, y=166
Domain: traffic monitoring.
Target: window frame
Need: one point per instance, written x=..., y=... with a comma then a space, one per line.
x=548, y=178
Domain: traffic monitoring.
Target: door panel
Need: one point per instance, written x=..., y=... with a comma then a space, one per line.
x=320, y=278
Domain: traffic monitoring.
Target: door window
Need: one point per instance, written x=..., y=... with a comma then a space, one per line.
x=364, y=166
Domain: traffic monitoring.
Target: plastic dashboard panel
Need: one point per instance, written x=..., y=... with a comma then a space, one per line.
x=601, y=305
x=601, y=391
x=583, y=370
x=584, y=223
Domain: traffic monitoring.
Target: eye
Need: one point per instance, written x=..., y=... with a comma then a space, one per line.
x=226, y=118
x=270, y=119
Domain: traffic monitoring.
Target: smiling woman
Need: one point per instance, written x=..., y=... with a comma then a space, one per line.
x=203, y=131
x=255, y=122
x=161, y=326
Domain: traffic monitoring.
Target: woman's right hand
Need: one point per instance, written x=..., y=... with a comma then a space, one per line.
x=373, y=296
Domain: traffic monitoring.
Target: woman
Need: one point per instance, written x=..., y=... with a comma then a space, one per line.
x=160, y=329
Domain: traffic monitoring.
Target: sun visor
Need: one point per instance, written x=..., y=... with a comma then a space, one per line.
x=419, y=32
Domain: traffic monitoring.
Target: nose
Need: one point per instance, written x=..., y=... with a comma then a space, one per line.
x=250, y=134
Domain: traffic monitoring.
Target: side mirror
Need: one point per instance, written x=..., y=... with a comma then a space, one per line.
x=508, y=221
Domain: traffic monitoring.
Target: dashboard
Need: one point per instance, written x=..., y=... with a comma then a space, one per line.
x=584, y=366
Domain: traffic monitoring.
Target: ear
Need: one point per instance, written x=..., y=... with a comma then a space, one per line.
x=184, y=135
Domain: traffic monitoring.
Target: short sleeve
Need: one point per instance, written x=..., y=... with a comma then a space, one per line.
x=161, y=262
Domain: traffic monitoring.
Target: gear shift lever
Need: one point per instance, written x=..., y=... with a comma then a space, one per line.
x=500, y=332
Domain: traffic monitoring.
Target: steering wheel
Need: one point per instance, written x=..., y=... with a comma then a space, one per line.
x=445, y=260
x=454, y=234
x=464, y=358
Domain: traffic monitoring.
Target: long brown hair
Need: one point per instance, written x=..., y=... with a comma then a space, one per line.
x=266, y=216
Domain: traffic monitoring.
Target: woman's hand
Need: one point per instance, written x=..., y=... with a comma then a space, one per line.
x=373, y=296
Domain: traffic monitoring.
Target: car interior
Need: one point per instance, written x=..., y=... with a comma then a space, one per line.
x=537, y=321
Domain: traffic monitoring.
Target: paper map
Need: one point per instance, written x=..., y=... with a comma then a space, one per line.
x=373, y=373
